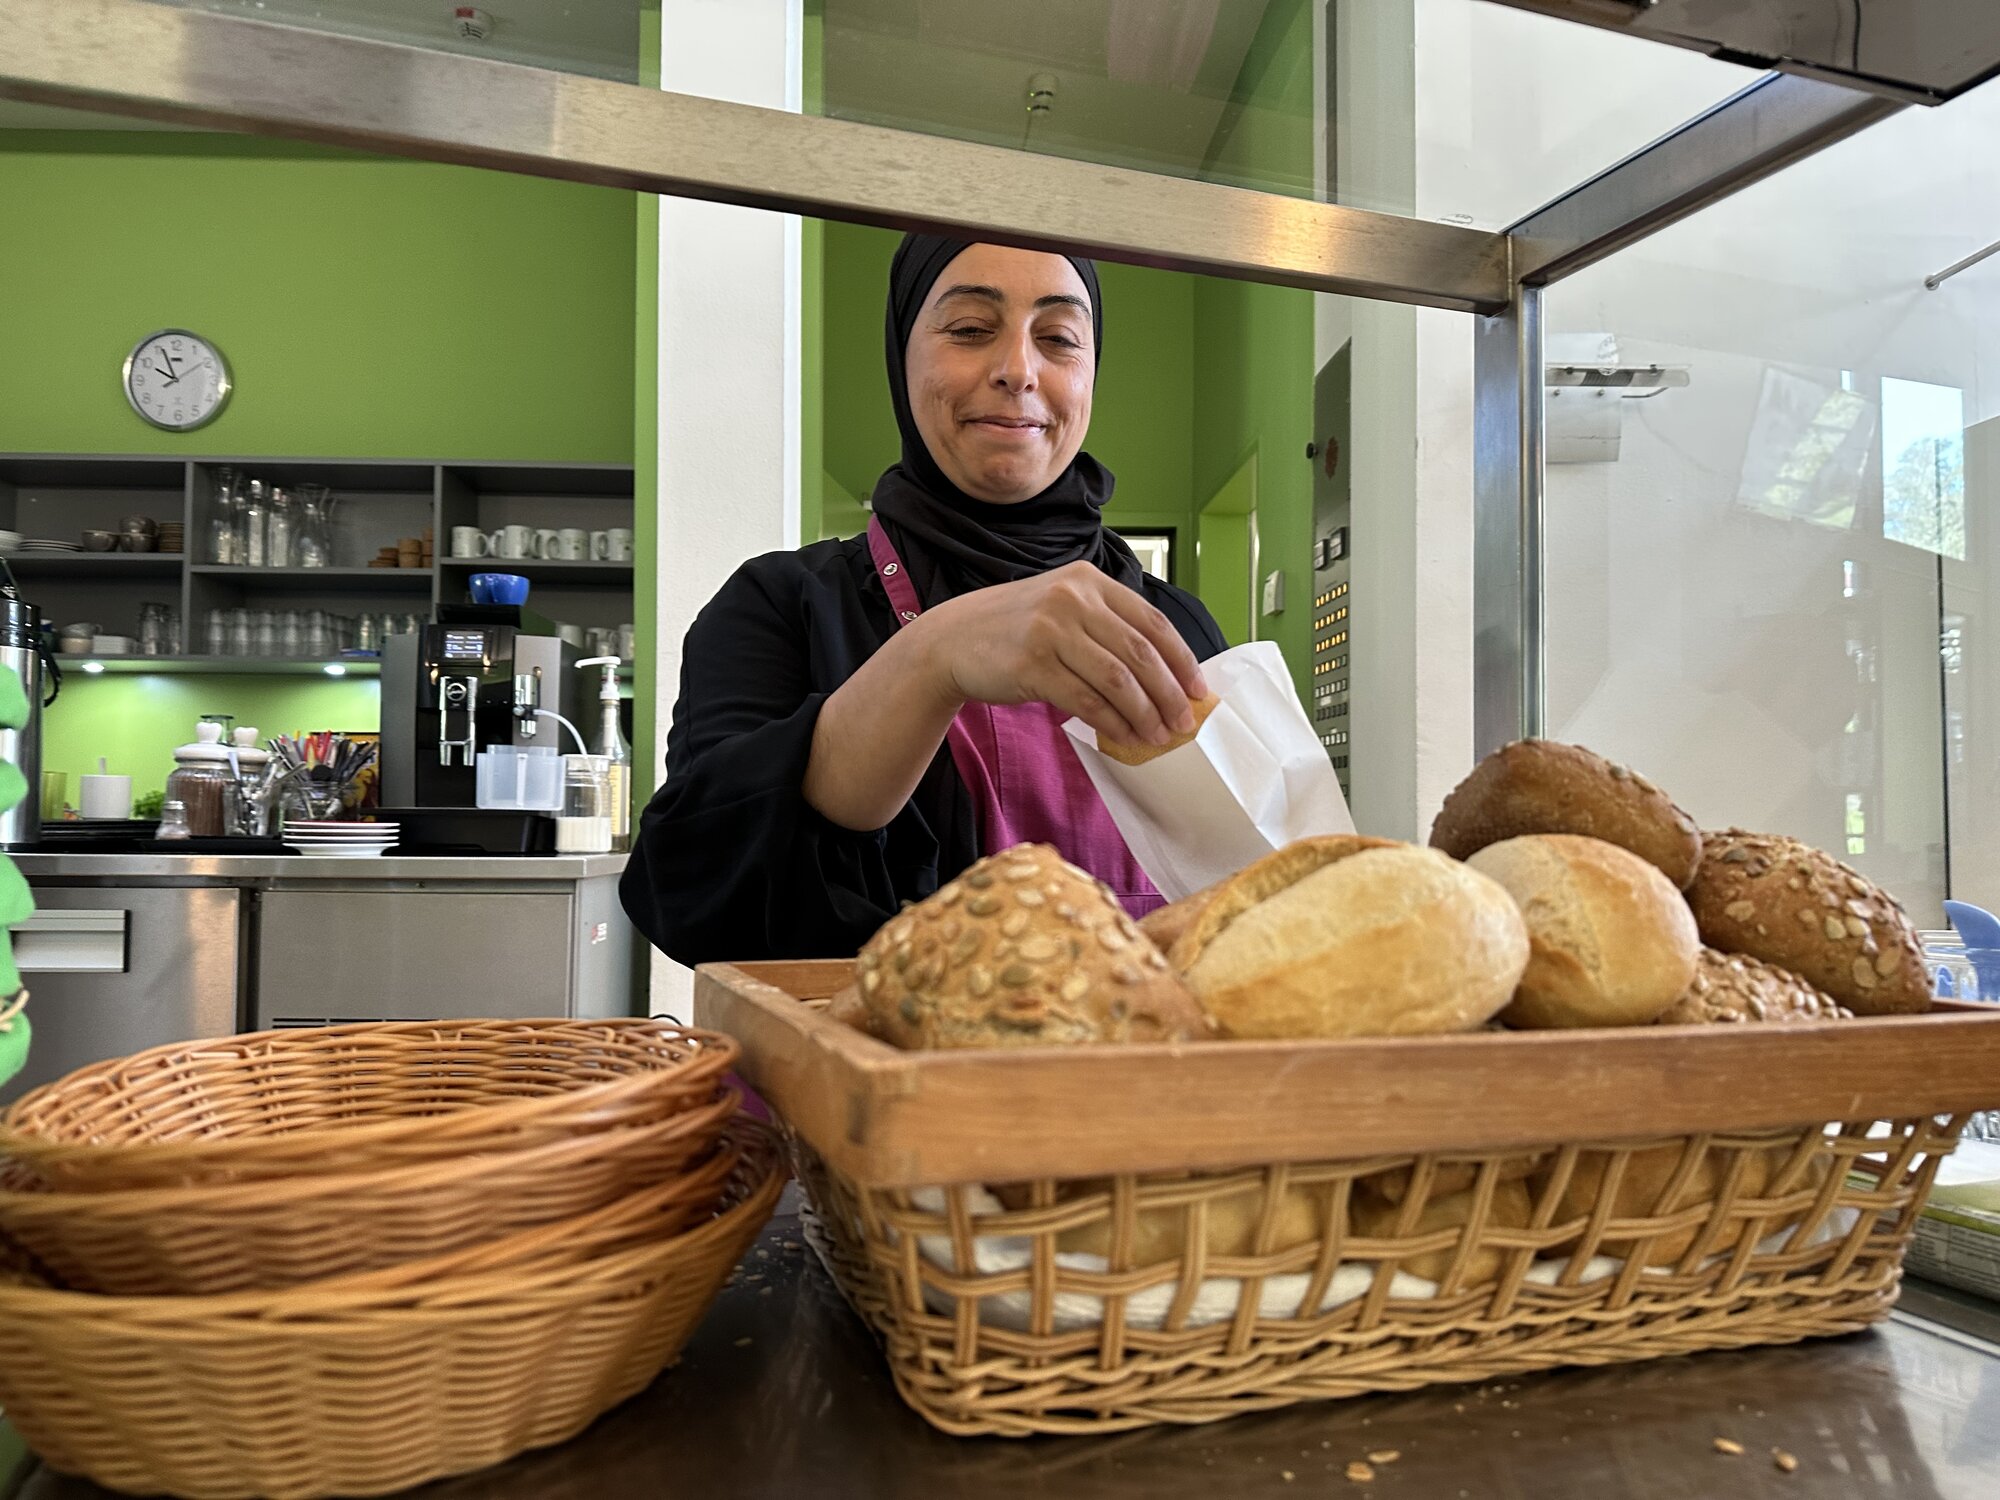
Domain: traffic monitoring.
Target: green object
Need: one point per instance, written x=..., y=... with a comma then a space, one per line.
x=13, y=1043
x=147, y=805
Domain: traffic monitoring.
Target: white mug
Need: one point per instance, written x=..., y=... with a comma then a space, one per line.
x=547, y=543
x=514, y=542
x=469, y=541
x=627, y=638
x=106, y=797
x=617, y=544
x=575, y=544
x=600, y=546
x=571, y=633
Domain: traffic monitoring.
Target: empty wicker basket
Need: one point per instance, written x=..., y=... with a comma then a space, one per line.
x=365, y=1387
x=354, y=1098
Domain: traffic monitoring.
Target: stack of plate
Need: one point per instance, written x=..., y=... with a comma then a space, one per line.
x=10, y=541
x=333, y=840
x=43, y=544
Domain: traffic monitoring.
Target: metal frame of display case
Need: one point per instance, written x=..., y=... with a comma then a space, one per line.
x=192, y=67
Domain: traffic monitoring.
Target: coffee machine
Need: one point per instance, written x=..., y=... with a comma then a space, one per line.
x=23, y=648
x=478, y=676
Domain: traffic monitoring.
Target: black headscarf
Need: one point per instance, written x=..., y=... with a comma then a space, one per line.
x=950, y=542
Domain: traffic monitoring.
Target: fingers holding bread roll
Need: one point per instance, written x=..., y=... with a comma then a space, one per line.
x=1128, y=753
x=1390, y=941
x=1541, y=786
x=1773, y=898
x=1611, y=942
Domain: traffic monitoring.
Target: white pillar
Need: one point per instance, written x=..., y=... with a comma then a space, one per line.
x=728, y=358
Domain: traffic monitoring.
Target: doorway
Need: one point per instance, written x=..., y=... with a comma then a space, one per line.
x=1226, y=553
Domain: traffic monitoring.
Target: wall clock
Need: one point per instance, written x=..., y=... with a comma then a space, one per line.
x=176, y=380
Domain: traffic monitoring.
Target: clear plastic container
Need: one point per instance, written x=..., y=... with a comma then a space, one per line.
x=584, y=825
x=520, y=780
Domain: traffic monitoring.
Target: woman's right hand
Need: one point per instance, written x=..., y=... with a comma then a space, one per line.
x=1073, y=638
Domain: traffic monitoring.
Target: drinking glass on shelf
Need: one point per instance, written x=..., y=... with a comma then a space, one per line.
x=152, y=629
x=250, y=536
x=312, y=542
x=266, y=633
x=319, y=640
x=291, y=634
x=279, y=527
x=222, y=519
x=240, y=643
x=217, y=638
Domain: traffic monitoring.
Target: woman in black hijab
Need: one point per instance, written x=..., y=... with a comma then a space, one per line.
x=861, y=719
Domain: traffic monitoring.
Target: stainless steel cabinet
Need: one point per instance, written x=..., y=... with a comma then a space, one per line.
x=411, y=955
x=115, y=971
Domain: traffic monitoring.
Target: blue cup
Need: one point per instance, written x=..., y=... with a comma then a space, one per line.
x=499, y=588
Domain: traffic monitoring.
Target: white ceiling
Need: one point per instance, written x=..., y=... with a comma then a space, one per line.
x=1139, y=82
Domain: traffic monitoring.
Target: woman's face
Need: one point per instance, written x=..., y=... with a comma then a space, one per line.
x=1000, y=365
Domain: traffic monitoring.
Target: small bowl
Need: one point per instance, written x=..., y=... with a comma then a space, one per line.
x=100, y=541
x=498, y=588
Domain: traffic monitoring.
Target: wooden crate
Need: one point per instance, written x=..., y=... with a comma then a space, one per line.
x=1186, y=1231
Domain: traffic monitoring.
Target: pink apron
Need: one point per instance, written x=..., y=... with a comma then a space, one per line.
x=1025, y=780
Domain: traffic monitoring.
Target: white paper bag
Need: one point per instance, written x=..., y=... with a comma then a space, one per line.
x=1255, y=777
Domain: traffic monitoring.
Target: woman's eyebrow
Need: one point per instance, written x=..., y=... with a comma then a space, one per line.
x=994, y=295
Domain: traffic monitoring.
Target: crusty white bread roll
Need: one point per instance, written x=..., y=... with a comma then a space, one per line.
x=1612, y=943
x=1387, y=942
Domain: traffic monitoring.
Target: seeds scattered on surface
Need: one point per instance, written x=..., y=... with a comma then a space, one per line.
x=1016, y=975
x=1385, y=1456
x=1730, y=1446
x=1014, y=923
x=979, y=880
x=871, y=982
x=1834, y=928
x=983, y=906
x=1859, y=886
x=1157, y=959
x=1039, y=949
x=1784, y=1460
x=908, y=1010
x=1075, y=987
x=1740, y=911
x=965, y=947
x=1888, y=963
x=1110, y=938
x=1019, y=872
x=1359, y=1472
x=1735, y=856
x=1125, y=974
x=1807, y=919
x=900, y=930
x=1856, y=927
x=1029, y=896
x=979, y=980
x=949, y=893
x=1864, y=973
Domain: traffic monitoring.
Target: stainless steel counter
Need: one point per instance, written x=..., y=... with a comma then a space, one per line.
x=237, y=869
x=130, y=951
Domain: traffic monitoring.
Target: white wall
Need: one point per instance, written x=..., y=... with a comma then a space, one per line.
x=730, y=373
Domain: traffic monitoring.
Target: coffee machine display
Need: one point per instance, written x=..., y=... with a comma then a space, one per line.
x=480, y=677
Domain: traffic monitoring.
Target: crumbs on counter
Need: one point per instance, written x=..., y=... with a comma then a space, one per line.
x=1784, y=1460
x=1730, y=1446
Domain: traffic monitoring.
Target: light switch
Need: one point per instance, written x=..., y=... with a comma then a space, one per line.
x=1274, y=592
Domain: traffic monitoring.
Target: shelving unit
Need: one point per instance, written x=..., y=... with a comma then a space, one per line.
x=377, y=501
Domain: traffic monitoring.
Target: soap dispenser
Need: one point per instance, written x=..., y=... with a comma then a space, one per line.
x=613, y=751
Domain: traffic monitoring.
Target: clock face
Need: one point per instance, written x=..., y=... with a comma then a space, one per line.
x=176, y=379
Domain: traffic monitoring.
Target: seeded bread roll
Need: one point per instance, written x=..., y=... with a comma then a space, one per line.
x=1729, y=987
x=1540, y=786
x=1022, y=950
x=1611, y=942
x=1773, y=898
x=1130, y=754
x=1386, y=942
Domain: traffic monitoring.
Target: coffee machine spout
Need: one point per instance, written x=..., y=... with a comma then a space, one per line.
x=527, y=701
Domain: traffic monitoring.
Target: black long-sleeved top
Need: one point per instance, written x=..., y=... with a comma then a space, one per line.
x=730, y=861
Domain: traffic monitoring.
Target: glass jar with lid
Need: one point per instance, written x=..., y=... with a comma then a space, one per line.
x=205, y=785
x=584, y=824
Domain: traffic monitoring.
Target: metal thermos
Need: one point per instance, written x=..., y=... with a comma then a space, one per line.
x=22, y=648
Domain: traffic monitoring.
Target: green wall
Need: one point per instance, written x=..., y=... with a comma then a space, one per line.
x=368, y=308
x=1141, y=417
x=135, y=722
x=1253, y=344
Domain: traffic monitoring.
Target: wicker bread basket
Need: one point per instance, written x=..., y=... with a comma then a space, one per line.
x=276, y=1232
x=363, y=1389
x=354, y=1098
x=1095, y=1238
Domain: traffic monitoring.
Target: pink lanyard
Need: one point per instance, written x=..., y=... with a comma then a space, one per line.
x=1025, y=780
